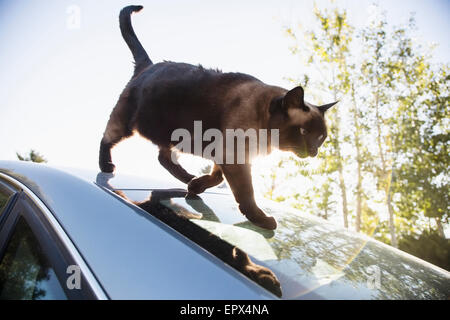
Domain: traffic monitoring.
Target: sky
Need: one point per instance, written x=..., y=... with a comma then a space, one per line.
x=64, y=63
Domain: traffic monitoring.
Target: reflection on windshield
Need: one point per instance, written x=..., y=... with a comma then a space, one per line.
x=338, y=264
x=311, y=258
x=160, y=205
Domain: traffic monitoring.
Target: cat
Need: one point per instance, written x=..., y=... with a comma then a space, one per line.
x=166, y=96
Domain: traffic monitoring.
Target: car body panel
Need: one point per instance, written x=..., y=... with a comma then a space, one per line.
x=132, y=254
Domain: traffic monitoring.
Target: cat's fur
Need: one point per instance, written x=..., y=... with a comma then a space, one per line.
x=163, y=97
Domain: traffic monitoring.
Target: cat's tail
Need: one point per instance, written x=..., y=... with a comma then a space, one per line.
x=141, y=59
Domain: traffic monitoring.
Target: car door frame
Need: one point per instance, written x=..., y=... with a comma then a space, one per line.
x=59, y=250
x=11, y=201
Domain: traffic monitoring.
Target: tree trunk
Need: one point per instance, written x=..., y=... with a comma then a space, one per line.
x=385, y=174
x=340, y=165
x=344, y=196
x=358, y=199
x=342, y=185
x=358, y=161
x=440, y=228
x=391, y=214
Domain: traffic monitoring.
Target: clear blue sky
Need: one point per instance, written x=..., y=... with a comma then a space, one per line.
x=58, y=85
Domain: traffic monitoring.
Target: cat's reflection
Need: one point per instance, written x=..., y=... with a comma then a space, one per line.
x=202, y=210
x=160, y=205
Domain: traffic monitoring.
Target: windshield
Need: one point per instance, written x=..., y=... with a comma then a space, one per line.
x=311, y=258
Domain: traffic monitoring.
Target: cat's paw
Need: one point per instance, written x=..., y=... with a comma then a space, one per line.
x=265, y=277
x=196, y=186
x=107, y=167
x=268, y=223
x=259, y=218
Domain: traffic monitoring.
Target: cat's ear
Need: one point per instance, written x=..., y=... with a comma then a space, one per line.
x=292, y=99
x=295, y=99
x=325, y=107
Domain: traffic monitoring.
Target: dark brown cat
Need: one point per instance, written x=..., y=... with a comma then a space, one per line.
x=163, y=97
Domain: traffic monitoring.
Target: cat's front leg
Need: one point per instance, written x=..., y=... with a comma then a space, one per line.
x=198, y=185
x=239, y=178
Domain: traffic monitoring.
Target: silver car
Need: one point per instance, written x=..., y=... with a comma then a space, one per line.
x=73, y=234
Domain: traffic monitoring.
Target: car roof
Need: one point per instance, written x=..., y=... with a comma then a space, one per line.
x=131, y=253
x=311, y=257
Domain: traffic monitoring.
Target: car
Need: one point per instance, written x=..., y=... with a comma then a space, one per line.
x=81, y=234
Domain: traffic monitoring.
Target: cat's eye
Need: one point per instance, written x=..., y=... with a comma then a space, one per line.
x=303, y=132
x=320, y=137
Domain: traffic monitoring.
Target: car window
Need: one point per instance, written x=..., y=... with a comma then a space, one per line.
x=5, y=196
x=25, y=272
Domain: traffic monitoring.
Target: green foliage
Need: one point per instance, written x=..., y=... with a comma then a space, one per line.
x=328, y=49
x=429, y=246
x=394, y=117
x=33, y=156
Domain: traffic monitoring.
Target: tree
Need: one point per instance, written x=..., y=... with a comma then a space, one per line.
x=393, y=115
x=359, y=114
x=328, y=48
x=376, y=69
x=33, y=156
x=429, y=246
x=422, y=172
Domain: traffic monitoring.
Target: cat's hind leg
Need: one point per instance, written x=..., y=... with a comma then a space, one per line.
x=117, y=129
x=198, y=185
x=175, y=169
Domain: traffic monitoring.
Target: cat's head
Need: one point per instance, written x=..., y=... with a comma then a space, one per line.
x=302, y=127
